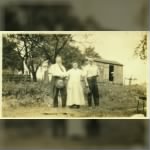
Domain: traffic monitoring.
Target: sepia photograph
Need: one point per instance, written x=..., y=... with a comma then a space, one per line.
x=121, y=134
x=74, y=74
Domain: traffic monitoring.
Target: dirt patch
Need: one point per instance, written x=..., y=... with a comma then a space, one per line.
x=85, y=111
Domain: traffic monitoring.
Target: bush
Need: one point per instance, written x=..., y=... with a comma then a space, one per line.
x=27, y=93
x=111, y=95
x=120, y=96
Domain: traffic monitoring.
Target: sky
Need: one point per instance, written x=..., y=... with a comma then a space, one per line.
x=118, y=46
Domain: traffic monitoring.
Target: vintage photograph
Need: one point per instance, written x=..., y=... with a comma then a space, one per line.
x=74, y=134
x=74, y=74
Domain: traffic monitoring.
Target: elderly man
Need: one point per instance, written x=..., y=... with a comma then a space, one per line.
x=58, y=73
x=92, y=73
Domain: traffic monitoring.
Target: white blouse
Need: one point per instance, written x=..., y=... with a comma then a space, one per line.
x=56, y=70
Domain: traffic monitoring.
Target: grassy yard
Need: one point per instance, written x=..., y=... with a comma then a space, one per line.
x=104, y=110
x=34, y=100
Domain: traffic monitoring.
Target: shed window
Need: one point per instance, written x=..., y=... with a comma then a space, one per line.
x=111, y=72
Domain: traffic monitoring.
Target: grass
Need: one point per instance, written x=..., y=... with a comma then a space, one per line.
x=34, y=100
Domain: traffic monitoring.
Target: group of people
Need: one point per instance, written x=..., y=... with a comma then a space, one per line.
x=70, y=85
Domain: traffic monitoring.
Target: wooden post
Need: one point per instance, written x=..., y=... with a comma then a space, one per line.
x=130, y=80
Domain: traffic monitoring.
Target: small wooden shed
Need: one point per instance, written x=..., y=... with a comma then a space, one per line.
x=110, y=71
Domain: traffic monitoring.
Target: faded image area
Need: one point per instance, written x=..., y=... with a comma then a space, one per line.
x=130, y=134
x=81, y=15
x=74, y=75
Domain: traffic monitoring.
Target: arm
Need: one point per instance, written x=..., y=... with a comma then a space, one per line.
x=98, y=72
x=50, y=70
x=84, y=75
x=86, y=82
x=65, y=73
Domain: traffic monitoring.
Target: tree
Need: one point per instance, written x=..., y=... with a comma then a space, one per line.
x=11, y=59
x=141, y=49
x=54, y=44
x=61, y=44
x=34, y=49
x=72, y=54
x=29, y=49
x=90, y=52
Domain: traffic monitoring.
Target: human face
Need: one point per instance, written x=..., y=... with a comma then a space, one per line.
x=75, y=65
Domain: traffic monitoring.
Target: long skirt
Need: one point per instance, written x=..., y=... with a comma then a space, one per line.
x=75, y=94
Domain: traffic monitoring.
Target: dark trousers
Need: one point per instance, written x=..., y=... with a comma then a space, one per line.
x=56, y=91
x=94, y=93
x=62, y=94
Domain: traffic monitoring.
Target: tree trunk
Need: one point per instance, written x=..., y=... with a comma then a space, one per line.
x=53, y=60
x=34, y=76
x=22, y=67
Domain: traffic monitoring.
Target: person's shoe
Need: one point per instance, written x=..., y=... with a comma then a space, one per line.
x=71, y=106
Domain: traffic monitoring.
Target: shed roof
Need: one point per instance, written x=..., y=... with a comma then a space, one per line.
x=108, y=61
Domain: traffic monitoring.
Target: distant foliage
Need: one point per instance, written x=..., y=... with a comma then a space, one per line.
x=72, y=54
x=11, y=59
x=90, y=52
x=141, y=49
x=33, y=49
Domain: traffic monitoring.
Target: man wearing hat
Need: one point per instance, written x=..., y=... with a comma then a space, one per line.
x=92, y=73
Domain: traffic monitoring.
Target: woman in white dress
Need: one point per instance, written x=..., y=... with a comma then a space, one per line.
x=75, y=94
